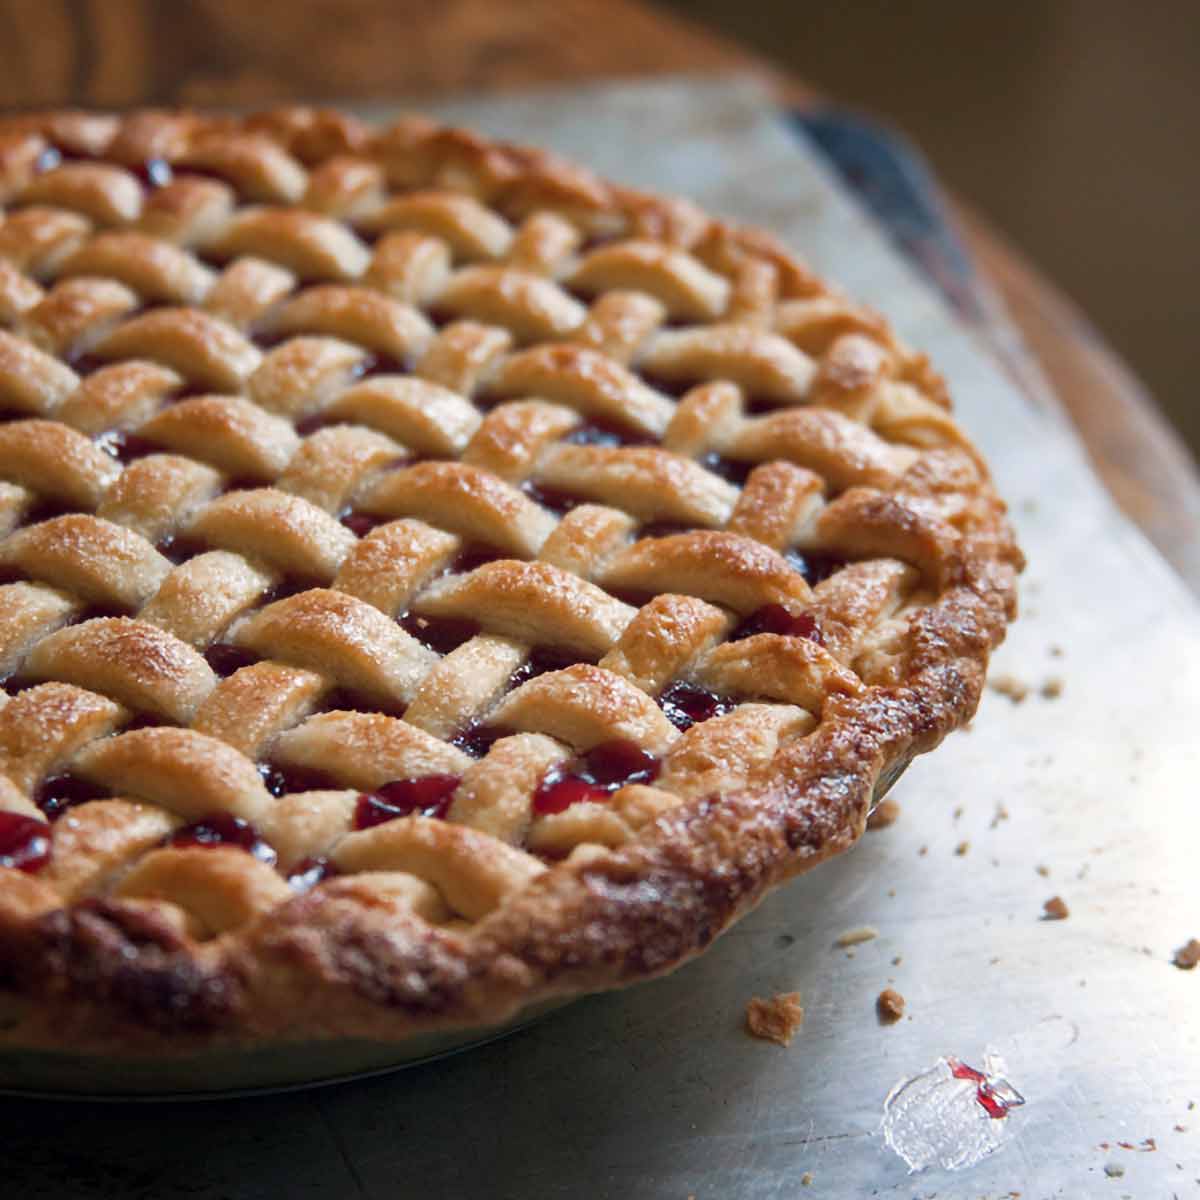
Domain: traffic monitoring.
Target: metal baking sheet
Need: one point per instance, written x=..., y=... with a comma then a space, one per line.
x=657, y=1092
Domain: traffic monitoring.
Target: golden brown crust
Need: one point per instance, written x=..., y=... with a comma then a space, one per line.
x=557, y=289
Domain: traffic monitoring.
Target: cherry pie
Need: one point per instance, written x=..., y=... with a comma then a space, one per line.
x=435, y=581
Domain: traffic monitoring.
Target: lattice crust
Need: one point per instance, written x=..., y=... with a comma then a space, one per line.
x=434, y=579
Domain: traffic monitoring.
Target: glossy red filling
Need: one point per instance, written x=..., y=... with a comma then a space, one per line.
x=600, y=772
x=178, y=548
x=814, y=567
x=727, y=468
x=597, y=432
x=477, y=740
x=155, y=172
x=282, y=781
x=541, y=661
x=45, y=510
x=685, y=705
x=442, y=634
x=48, y=160
x=24, y=842
x=360, y=523
x=348, y=700
x=222, y=829
x=774, y=618
x=225, y=658
x=558, y=502
x=428, y=796
x=476, y=555
x=125, y=447
x=664, y=529
x=60, y=792
x=309, y=872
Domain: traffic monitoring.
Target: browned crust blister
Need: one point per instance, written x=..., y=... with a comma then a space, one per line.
x=877, y=472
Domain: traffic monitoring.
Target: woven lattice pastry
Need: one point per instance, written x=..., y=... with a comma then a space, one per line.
x=434, y=580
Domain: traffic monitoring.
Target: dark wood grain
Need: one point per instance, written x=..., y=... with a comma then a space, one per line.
x=247, y=52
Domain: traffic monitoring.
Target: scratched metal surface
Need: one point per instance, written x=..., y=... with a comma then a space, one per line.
x=656, y=1092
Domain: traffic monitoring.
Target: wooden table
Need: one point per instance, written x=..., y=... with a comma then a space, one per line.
x=229, y=52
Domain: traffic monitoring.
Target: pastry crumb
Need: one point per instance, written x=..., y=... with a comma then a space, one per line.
x=886, y=813
x=806, y=1179
x=1043, y=870
x=1186, y=957
x=962, y=848
x=1055, y=909
x=1009, y=685
x=777, y=1019
x=853, y=937
x=889, y=1006
x=1001, y=814
x=1052, y=688
x=1114, y=1170
x=897, y=960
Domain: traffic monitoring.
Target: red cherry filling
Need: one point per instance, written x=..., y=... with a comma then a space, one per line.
x=179, y=548
x=307, y=873
x=124, y=447
x=156, y=172
x=61, y=792
x=663, y=529
x=814, y=567
x=603, y=770
x=685, y=704
x=45, y=510
x=556, y=794
x=477, y=740
x=541, y=660
x=614, y=764
x=348, y=700
x=442, y=634
x=428, y=796
x=49, y=158
x=359, y=523
x=282, y=781
x=556, y=501
x=222, y=829
x=24, y=842
x=475, y=555
x=604, y=433
x=774, y=618
x=225, y=658
x=734, y=472
x=145, y=721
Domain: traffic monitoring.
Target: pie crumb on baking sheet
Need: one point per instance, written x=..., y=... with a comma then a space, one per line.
x=856, y=936
x=1009, y=685
x=777, y=1019
x=889, y=1006
x=1055, y=909
x=1186, y=957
